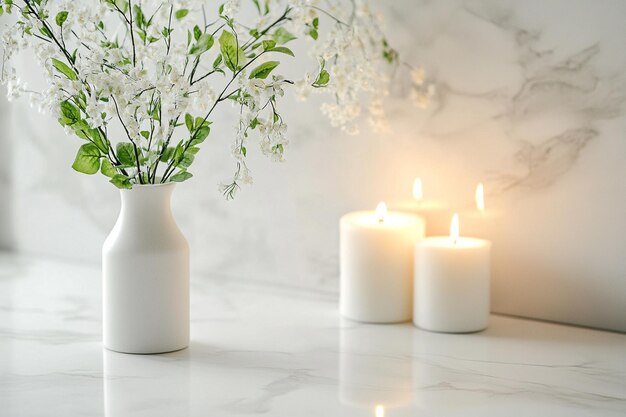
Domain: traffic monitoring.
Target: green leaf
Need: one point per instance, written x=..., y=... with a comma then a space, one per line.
x=316, y=23
x=268, y=44
x=189, y=122
x=46, y=32
x=197, y=32
x=70, y=112
x=203, y=44
x=64, y=69
x=282, y=50
x=244, y=151
x=121, y=181
x=126, y=153
x=107, y=168
x=258, y=6
x=99, y=140
x=81, y=128
x=282, y=36
x=217, y=61
x=178, y=153
x=322, y=79
x=181, y=13
x=140, y=18
x=61, y=18
x=313, y=33
x=186, y=160
x=201, y=134
x=201, y=122
x=181, y=176
x=167, y=154
x=87, y=159
x=263, y=70
x=233, y=55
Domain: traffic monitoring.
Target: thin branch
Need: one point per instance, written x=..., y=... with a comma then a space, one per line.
x=132, y=32
x=267, y=29
x=170, y=168
x=119, y=116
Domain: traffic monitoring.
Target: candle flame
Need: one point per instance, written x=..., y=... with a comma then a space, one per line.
x=380, y=411
x=454, y=228
x=480, y=197
x=418, y=190
x=381, y=211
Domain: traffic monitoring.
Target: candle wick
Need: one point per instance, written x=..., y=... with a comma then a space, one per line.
x=381, y=220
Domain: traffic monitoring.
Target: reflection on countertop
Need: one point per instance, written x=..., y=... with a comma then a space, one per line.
x=275, y=351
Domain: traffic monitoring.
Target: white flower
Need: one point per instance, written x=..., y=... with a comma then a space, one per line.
x=418, y=75
x=231, y=7
x=15, y=87
x=94, y=110
x=304, y=87
x=243, y=175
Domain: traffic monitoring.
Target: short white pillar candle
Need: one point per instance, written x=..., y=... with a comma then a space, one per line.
x=376, y=262
x=452, y=279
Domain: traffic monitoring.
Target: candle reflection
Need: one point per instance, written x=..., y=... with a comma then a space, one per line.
x=375, y=369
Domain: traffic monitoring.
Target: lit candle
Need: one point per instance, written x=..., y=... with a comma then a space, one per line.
x=480, y=197
x=380, y=410
x=418, y=190
x=376, y=263
x=452, y=277
x=432, y=211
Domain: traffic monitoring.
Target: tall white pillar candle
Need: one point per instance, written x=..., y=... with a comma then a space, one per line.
x=452, y=277
x=376, y=262
x=433, y=212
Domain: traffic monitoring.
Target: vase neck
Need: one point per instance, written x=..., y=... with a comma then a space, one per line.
x=147, y=201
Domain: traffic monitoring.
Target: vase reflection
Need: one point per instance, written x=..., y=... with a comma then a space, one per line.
x=135, y=385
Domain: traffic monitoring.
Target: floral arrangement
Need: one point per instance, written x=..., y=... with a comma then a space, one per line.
x=153, y=71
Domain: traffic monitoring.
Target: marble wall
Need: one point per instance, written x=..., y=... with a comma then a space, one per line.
x=6, y=206
x=530, y=100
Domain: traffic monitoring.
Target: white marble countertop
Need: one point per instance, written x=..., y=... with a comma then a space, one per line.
x=279, y=352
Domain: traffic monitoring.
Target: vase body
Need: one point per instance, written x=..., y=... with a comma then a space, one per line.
x=145, y=265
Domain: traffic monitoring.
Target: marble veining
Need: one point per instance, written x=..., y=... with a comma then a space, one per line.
x=274, y=351
x=530, y=100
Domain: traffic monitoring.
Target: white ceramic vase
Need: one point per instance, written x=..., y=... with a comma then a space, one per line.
x=145, y=264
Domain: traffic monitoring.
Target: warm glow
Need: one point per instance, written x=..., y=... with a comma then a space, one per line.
x=380, y=411
x=381, y=211
x=418, y=191
x=480, y=197
x=454, y=228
